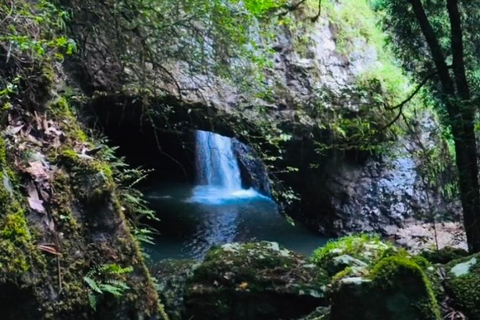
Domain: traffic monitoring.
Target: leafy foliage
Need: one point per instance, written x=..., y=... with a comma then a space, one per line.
x=409, y=44
x=31, y=34
x=225, y=38
x=131, y=199
x=104, y=280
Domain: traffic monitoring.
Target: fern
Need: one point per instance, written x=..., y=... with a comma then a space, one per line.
x=104, y=280
x=92, y=299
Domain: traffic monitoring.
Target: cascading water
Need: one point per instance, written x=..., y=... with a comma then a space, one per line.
x=218, y=210
x=216, y=163
x=218, y=173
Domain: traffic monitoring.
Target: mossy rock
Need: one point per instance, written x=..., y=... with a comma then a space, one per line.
x=254, y=281
x=463, y=285
x=444, y=255
x=357, y=251
x=172, y=276
x=397, y=289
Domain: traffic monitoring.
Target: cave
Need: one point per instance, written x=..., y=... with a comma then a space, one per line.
x=144, y=142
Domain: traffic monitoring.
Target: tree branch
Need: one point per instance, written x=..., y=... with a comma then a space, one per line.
x=434, y=46
x=314, y=19
x=458, y=50
x=415, y=92
x=290, y=8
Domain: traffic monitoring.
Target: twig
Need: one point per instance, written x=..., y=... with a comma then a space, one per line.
x=415, y=92
x=290, y=8
x=314, y=19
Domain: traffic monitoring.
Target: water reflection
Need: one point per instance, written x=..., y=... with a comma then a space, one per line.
x=195, y=219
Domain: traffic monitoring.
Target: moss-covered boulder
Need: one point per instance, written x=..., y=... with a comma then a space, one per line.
x=396, y=288
x=356, y=252
x=463, y=285
x=254, y=281
x=444, y=255
x=171, y=278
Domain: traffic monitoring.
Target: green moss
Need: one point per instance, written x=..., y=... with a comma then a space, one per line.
x=463, y=284
x=365, y=247
x=399, y=274
x=345, y=273
x=15, y=238
x=396, y=288
x=15, y=228
x=14, y=245
x=61, y=108
x=444, y=255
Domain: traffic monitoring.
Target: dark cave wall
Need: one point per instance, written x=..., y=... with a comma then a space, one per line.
x=143, y=141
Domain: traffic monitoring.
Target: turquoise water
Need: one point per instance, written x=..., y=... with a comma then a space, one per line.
x=193, y=219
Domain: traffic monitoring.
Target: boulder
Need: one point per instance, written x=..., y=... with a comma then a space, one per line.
x=171, y=278
x=254, y=281
x=357, y=252
x=396, y=289
x=463, y=285
x=444, y=255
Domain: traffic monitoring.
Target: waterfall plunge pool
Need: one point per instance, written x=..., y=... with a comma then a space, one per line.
x=194, y=219
x=218, y=210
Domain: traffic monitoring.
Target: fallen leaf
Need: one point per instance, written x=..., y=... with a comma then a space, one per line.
x=36, y=205
x=54, y=131
x=33, y=200
x=15, y=130
x=37, y=170
x=50, y=248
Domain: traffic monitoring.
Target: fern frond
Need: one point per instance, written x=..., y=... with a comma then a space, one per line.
x=92, y=299
x=92, y=284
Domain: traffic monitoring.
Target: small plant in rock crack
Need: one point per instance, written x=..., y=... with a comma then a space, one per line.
x=105, y=279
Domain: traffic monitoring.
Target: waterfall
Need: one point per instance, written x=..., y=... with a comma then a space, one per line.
x=216, y=163
x=218, y=172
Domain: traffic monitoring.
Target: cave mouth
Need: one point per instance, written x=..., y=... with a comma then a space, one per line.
x=169, y=153
x=206, y=189
x=18, y=303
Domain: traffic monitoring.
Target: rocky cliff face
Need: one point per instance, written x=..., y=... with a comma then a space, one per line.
x=315, y=80
x=66, y=246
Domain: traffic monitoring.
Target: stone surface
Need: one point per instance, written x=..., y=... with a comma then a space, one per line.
x=416, y=236
x=253, y=171
x=172, y=276
x=396, y=289
x=463, y=284
x=347, y=192
x=246, y=281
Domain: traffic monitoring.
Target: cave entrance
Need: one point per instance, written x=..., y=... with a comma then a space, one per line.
x=144, y=142
x=206, y=189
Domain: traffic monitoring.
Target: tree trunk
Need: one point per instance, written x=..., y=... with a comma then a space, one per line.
x=465, y=142
x=456, y=95
x=466, y=161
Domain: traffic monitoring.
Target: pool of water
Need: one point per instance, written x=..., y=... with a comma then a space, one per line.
x=193, y=219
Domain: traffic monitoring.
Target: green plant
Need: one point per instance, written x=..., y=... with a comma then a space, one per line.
x=130, y=198
x=104, y=280
x=34, y=36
